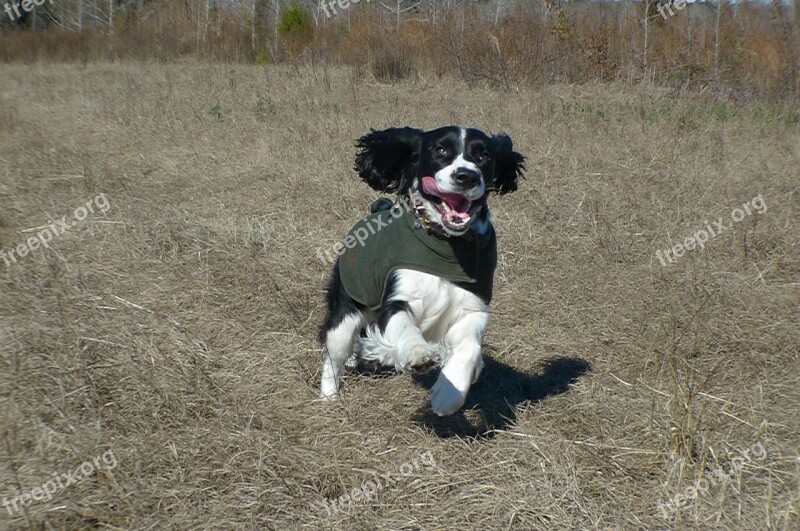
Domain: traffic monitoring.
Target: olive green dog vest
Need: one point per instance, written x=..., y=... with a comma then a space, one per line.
x=390, y=239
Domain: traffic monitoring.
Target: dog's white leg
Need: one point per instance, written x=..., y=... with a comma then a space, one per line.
x=463, y=366
x=339, y=343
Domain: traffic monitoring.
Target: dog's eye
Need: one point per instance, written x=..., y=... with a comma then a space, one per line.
x=483, y=157
x=441, y=150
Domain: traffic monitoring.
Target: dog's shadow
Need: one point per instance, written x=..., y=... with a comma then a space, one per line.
x=493, y=400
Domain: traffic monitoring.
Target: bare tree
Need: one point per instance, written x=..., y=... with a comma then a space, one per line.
x=650, y=14
x=276, y=4
x=261, y=20
x=400, y=7
x=716, y=41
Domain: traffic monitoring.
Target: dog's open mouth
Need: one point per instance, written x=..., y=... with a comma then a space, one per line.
x=455, y=209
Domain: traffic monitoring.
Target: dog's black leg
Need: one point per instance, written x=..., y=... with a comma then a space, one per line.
x=346, y=318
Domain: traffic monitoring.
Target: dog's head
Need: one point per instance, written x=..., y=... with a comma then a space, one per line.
x=448, y=171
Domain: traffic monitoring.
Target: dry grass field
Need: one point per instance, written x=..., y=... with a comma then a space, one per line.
x=178, y=328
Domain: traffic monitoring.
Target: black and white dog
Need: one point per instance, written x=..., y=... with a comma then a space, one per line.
x=415, y=293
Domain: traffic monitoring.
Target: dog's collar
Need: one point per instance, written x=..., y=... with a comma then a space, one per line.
x=417, y=205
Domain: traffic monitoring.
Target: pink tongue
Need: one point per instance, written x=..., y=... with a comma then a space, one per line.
x=457, y=202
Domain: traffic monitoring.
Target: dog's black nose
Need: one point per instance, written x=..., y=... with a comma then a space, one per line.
x=466, y=178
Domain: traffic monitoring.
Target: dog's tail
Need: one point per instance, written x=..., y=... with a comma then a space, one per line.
x=374, y=347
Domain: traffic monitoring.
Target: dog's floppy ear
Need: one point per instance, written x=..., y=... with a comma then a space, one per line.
x=508, y=165
x=386, y=160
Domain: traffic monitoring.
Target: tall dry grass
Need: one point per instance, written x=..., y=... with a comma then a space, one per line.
x=523, y=44
x=179, y=330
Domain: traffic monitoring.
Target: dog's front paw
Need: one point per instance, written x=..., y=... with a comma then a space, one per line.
x=422, y=358
x=446, y=398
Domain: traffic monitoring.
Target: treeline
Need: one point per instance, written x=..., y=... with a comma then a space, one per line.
x=747, y=48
